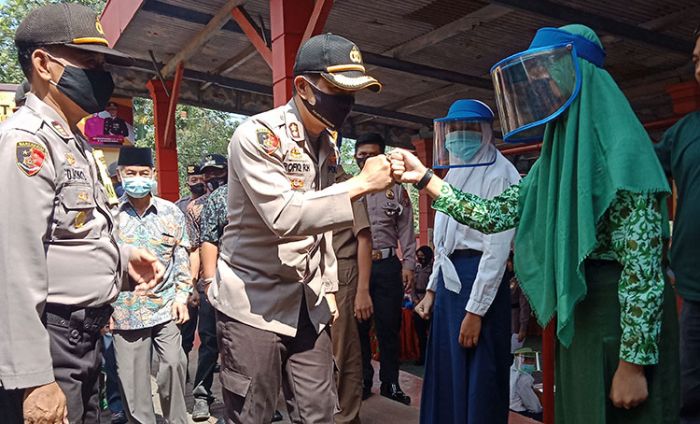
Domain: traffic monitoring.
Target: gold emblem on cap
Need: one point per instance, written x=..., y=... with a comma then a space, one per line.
x=98, y=26
x=390, y=194
x=79, y=220
x=355, y=55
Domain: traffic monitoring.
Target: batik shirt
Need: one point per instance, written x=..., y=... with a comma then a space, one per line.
x=161, y=231
x=193, y=216
x=214, y=217
x=629, y=233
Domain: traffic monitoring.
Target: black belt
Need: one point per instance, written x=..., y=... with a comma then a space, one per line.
x=469, y=253
x=77, y=318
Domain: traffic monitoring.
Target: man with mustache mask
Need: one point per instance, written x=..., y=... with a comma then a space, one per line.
x=60, y=265
x=277, y=274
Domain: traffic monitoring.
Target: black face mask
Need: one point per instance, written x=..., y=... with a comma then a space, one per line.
x=197, y=189
x=215, y=183
x=330, y=109
x=88, y=88
x=361, y=162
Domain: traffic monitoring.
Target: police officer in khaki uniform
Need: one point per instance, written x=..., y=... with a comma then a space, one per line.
x=391, y=218
x=353, y=249
x=277, y=271
x=60, y=266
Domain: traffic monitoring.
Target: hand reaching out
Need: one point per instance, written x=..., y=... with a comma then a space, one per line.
x=406, y=167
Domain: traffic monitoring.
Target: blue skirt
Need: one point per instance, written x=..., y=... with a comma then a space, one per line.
x=467, y=386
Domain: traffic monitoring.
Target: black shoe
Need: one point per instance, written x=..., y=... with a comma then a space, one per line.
x=277, y=416
x=217, y=367
x=119, y=417
x=366, y=389
x=394, y=392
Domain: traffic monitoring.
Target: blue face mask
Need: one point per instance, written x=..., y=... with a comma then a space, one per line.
x=138, y=187
x=527, y=368
x=463, y=144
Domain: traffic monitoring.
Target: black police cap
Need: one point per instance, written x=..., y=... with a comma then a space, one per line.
x=135, y=156
x=67, y=24
x=213, y=161
x=337, y=60
x=193, y=170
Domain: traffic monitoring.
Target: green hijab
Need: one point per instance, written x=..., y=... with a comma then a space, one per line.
x=592, y=151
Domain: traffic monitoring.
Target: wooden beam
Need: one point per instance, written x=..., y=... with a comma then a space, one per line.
x=242, y=57
x=172, y=106
x=322, y=8
x=418, y=99
x=251, y=31
x=465, y=23
x=193, y=46
x=564, y=13
x=659, y=23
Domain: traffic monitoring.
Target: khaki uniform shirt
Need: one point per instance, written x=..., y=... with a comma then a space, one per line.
x=282, y=208
x=56, y=241
x=391, y=216
x=345, y=240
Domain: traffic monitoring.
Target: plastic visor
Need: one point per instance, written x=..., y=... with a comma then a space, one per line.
x=533, y=88
x=460, y=143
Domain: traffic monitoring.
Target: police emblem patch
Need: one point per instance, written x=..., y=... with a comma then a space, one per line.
x=296, y=153
x=79, y=221
x=268, y=141
x=30, y=157
x=390, y=194
x=295, y=131
x=296, y=183
x=355, y=55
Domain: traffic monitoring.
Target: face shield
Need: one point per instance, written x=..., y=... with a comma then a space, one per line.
x=536, y=86
x=459, y=143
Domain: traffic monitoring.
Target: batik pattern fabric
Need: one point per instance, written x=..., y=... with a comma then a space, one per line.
x=193, y=220
x=630, y=233
x=161, y=231
x=214, y=216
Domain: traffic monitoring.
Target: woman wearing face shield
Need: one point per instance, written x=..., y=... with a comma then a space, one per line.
x=590, y=219
x=468, y=354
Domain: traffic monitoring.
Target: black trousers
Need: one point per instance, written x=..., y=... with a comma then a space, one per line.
x=76, y=352
x=208, y=350
x=188, y=329
x=690, y=362
x=386, y=290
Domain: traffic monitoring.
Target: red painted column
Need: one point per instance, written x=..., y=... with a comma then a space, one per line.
x=548, y=361
x=288, y=20
x=166, y=154
x=685, y=97
x=424, y=151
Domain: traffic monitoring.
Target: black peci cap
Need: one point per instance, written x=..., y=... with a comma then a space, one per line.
x=337, y=60
x=21, y=92
x=135, y=156
x=371, y=138
x=193, y=170
x=67, y=24
x=213, y=161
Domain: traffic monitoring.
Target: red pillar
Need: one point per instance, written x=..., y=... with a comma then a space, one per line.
x=288, y=20
x=166, y=153
x=685, y=97
x=548, y=361
x=424, y=151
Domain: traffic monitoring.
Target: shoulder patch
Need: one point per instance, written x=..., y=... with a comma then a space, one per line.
x=30, y=157
x=267, y=140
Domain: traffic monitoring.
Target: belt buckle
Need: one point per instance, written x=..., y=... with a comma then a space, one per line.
x=376, y=255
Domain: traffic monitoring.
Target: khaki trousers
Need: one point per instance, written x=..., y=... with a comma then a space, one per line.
x=346, y=345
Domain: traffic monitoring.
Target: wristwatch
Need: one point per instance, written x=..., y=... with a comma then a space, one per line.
x=420, y=185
